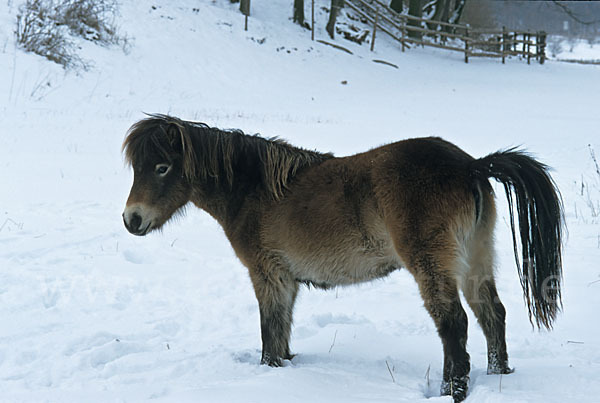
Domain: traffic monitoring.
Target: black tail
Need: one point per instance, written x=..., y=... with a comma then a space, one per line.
x=540, y=213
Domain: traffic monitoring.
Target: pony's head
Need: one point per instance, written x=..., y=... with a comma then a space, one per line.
x=161, y=153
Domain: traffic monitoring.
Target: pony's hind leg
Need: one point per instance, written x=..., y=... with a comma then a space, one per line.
x=480, y=292
x=276, y=293
x=433, y=271
x=479, y=287
x=491, y=315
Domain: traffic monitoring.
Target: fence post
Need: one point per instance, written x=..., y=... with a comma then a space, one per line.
x=403, y=22
x=312, y=14
x=542, y=46
x=245, y=9
x=375, y=28
x=467, y=44
x=537, y=45
x=503, y=44
x=528, y=48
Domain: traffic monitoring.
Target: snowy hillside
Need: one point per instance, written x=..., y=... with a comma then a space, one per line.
x=91, y=313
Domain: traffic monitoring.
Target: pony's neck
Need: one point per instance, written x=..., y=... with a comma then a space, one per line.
x=217, y=188
x=234, y=167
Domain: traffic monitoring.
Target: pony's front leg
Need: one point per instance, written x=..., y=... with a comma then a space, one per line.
x=276, y=293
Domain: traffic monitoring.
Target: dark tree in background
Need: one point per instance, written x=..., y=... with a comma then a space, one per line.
x=415, y=9
x=436, y=10
x=336, y=5
x=299, y=13
x=397, y=5
x=245, y=7
x=448, y=11
x=442, y=11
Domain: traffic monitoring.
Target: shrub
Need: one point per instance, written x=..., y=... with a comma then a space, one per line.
x=39, y=31
x=47, y=28
x=91, y=19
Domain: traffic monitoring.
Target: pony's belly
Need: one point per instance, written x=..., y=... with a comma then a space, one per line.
x=332, y=247
x=327, y=271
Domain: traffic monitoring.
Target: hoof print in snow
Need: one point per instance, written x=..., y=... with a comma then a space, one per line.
x=260, y=41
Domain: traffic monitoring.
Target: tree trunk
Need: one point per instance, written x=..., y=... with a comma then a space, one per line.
x=442, y=13
x=458, y=10
x=245, y=7
x=437, y=14
x=299, y=12
x=416, y=10
x=336, y=6
x=396, y=5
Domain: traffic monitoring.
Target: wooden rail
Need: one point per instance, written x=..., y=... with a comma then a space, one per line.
x=410, y=30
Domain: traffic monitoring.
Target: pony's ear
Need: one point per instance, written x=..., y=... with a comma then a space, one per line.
x=174, y=136
x=181, y=141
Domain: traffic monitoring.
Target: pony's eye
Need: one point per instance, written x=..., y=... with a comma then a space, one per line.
x=162, y=169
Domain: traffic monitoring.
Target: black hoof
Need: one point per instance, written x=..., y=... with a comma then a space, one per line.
x=498, y=363
x=456, y=387
x=501, y=370
x=267, y=359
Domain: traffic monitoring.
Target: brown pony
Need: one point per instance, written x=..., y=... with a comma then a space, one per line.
x=302, y=217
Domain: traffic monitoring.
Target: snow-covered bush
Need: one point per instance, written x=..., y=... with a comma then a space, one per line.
x=47, y=27
x=92, y=19
x=39, y=31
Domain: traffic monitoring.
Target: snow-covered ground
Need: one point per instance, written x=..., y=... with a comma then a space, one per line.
x=574, y=50
x=91, y=313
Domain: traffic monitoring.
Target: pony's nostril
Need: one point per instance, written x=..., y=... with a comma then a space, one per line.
x=135, y=221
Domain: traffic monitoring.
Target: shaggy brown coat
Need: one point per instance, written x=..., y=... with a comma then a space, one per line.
x=301, y=217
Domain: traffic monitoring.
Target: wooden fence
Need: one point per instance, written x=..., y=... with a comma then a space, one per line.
x=409, y=30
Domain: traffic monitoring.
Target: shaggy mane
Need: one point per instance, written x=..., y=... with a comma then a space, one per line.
x=208, y=152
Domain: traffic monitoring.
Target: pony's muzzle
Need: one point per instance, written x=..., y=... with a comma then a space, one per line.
x=134, y=221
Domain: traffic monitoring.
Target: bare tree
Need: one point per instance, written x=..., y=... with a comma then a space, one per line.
x=397, y=5
x=448, y=11
x=299, y=13
x=435, y=10
x=415, y=8
x=334, y=10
